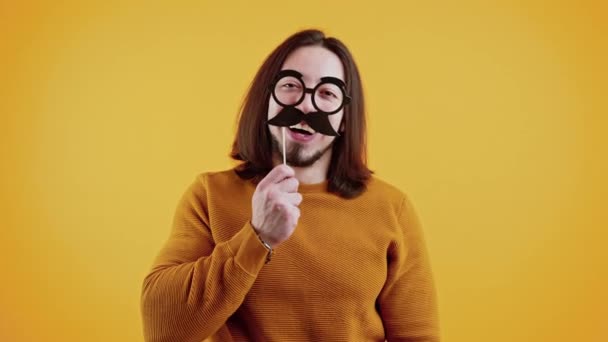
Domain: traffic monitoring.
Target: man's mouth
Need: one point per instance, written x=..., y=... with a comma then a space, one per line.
x=299, y=128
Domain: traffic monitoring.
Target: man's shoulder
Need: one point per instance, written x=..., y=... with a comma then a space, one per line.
x=383, y=191
x=217, y=174
x=379, y=185
x=221, y=179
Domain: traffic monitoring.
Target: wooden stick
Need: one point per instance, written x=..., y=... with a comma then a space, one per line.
x=284, y=157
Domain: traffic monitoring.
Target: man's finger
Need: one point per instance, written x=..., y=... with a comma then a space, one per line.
x=276, y=175
x=288, y=184
x=294, y=198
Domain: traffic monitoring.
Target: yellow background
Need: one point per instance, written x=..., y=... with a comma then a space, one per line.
x=490, y=115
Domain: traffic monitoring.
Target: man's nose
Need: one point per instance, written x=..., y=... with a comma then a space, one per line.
x=306, y=106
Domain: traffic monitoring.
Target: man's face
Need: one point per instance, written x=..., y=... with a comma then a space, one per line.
x=313, y=62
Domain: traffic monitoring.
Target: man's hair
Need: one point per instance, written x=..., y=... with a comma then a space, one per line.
x=348, y=172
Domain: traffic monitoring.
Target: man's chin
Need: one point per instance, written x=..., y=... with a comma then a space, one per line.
x=302, y=162
x=297, y=159
x=298, y=155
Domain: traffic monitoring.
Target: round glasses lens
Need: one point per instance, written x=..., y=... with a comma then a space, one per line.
x=328, y=97
x=288, y=90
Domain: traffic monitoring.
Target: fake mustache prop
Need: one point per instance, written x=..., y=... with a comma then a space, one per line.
x=290, y=116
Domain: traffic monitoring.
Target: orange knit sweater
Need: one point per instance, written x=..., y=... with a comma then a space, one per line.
x=353, y=270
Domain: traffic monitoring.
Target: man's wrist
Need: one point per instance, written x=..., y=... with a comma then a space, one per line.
x=264, y=243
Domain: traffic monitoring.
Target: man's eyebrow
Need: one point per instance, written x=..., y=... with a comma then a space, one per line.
x=291, y=72
x=307, y=80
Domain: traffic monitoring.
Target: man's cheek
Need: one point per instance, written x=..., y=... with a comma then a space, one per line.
x=336, y=121
x=272, y=111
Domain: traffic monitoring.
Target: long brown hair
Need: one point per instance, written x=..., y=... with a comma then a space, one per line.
x=348, y=172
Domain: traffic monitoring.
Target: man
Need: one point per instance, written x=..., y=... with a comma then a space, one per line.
x=315, y=251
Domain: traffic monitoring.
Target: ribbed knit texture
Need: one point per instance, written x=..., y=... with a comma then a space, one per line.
x=354, y=270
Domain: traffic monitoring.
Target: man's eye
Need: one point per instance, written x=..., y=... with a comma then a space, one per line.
x=289, y=85
x=330, y=94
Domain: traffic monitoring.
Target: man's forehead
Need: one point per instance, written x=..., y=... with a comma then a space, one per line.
x=313, y=76
x=314, y=62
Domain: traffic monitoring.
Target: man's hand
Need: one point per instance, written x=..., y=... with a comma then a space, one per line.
x=275, y=202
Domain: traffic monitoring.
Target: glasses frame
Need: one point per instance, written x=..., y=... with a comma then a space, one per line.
x=324, y=80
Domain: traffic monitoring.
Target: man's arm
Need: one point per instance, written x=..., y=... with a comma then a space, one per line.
x=408, y=303
x=195, y=285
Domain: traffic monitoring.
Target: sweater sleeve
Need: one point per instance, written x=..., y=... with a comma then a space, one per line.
x=195, y=285
x=407, y=303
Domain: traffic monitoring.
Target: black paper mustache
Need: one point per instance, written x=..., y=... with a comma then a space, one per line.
x=290, y=116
